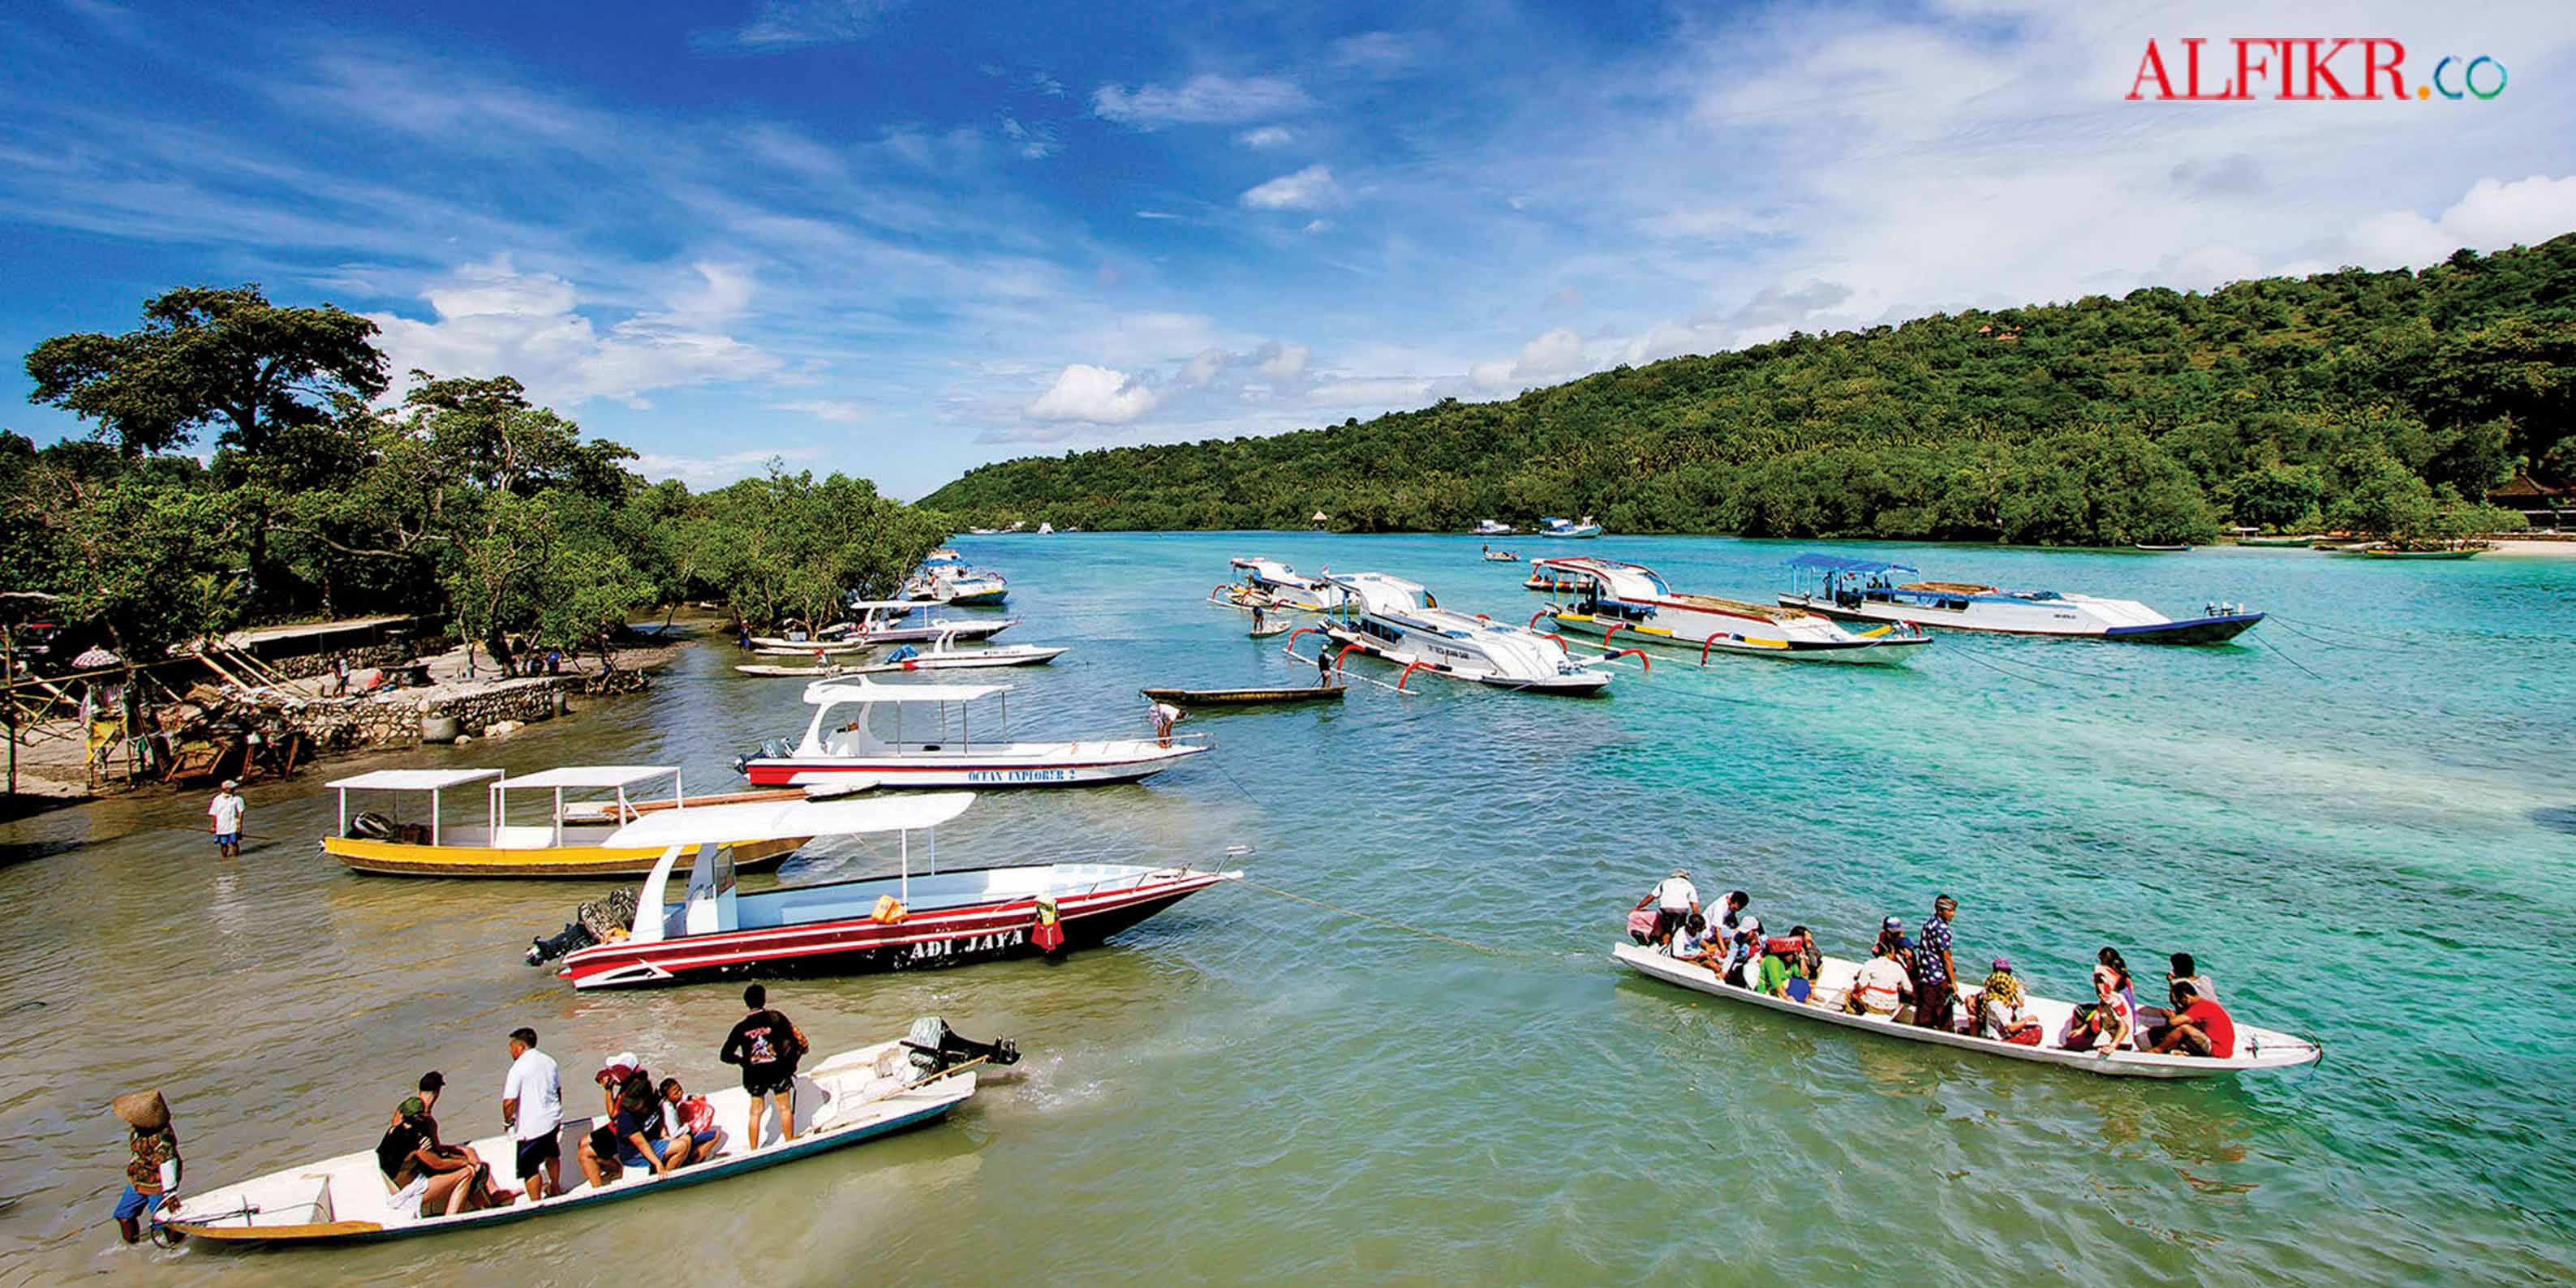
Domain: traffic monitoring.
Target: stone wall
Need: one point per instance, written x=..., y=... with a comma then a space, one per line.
x=392, y=653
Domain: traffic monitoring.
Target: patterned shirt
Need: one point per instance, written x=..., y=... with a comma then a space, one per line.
x=151, y=1150
x=1928, y=951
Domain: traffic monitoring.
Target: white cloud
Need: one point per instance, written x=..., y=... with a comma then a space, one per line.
x=702, y=472
x=1278, y=361
x=1034, y=141
x=1549, y=358
x=1098, y=395
x=492, y=319
x=1201, y=100
x=781, y=25
x=846, y=413
x=1309, y=189
x=1156, y=214
x=1378, y=53
x=2493, y=215
x=1266, y=138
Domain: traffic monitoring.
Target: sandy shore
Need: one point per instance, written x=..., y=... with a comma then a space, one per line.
x=2550, y=549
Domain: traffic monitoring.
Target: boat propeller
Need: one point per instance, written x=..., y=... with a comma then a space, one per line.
x=933, y=1046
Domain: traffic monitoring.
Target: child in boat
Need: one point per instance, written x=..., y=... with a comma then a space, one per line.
x=2105, y=1024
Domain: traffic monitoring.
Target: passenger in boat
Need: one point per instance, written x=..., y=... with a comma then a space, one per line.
x=1690, y=940
x=431, y=1083
x=431, y=1178
x=532, y=1108
x=1891, y=938
x=767, y=1045
x=1881, y=986
x=2003, y=1010
x=1675, y=900
x=1934, y=973
x=2110, y=957
x=621, y=1069
x=682, y=1112
x=2201, y=1026
x=1259, y=619
x=2105, y=1024
x=644, y=1138
x=1744, y=954
x=152, y=1166
x=1727, y=920
x=598, y=1156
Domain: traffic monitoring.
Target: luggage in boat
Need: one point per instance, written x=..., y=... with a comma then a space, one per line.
x=1641, y=925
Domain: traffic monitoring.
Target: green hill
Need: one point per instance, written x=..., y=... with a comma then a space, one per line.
x=2369, y=401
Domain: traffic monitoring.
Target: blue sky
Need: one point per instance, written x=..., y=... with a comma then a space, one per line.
x=899, y=239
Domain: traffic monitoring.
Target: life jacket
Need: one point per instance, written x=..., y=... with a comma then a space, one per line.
x=1049, y=932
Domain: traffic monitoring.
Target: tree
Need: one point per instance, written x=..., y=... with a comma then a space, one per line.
x=209, y=356
x=2275, y=496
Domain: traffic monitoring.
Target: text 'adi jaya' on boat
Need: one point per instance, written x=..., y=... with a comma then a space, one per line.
x=572, y=842
x=1625, y=601
x=840, y=1100
x=1866, y=590
x=1399, y=621
x=944, y=752
x=710, y=930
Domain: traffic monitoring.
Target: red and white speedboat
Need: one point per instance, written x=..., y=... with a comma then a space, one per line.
x=713, y=931
x=944, y=753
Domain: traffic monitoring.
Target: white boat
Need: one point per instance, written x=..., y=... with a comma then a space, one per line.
x=945, y=579
x=841, y=1100
x=1556, y=527
x=1491, y=528
x=2257, y=1048
x=883, y=621
x=944, y=753
x=907, y=920
x=1399, y=621
x=1492, y=555
x=1046, y=529
x=1866, y=590
x=943, y=655
x=1631, y=602
x=1287, y=587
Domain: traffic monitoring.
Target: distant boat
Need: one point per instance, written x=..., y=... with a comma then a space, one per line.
x=2391, y=552
x=2164, y=550
x=2275, y=542
x=1046, y=529
x=1556, y=527
x=1617, y=598
x=1244, y=697
x=1866, y=590
x=1490, y=528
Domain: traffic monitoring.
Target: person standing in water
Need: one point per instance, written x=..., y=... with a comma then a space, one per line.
x=226, y=810
x=152, y=1171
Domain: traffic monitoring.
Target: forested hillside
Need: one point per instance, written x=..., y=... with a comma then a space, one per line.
x=2381, y=402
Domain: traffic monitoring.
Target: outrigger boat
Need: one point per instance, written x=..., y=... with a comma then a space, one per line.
x=573, y=842
x=896, y=922
x=1865, y=590
x=1287, y=587
x=1631, y=601
x=952, y=758
x=1400, y=622
x=2258, y=1048
x=945, y=579
x=841, y=1100
x=944, y=655
x=1245, y=697
x=884, y=621
x=1555, y=527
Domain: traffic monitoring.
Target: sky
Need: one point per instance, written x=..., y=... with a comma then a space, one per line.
x=899, y=238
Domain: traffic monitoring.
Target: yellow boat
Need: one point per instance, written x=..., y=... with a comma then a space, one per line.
x=567, y=845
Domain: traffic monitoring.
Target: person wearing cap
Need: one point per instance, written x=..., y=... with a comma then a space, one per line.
x=152, y=1168
x=226, y=810
x=1745, y=952
x=1675, y=899
x=2003, y=1012
x=532, y=1108
x=613, y=1077
x=1935, y=976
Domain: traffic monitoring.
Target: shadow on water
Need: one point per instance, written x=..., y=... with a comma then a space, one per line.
x=2557, y=818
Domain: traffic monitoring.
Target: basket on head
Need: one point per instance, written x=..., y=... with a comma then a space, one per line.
x=143, y=1110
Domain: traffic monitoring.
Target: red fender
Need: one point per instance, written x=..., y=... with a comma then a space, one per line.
x=1544, y=612
x=1409, y=669
x=1344, y=655
x=1615, y=628
x=1644, y=663
x=1482, y=618
x=1291, y=643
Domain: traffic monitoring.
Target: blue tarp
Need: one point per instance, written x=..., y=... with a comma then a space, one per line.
x=1836, y=563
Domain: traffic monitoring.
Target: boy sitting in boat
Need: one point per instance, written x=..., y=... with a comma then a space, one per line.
x=431, y=1178
x=1882, y=986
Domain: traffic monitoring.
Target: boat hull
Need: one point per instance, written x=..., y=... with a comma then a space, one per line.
x=1576, y=684
x=2287, y=1051
x=568, y=862
x=1862, y=649
x=1245, y=697
x=863, y=945
x=2196, y=630
x=940, y=770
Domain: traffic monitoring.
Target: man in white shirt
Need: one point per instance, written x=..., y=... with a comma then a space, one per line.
x=1675, y=899
x=532, y=1107
x=226, y=809
x=1881, y=986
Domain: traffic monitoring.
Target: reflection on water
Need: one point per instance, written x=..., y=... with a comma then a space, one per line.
x=1249, y=1088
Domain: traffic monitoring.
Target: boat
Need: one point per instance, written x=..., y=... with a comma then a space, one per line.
x=1399, y=621
x=1046, y=529
x=899, y=922
x=882, y=621
x=1186, y=698
x=573, y=842
x=1492, y=528
x=2276, y=542
x=1866, y=590
x=944, y=655
x=1270, y=627
x=1287, y=587
x=945, y=579
x=2259, y=1048
x=1492, y=555
x=1555, y=527
x=1554, y=583
x=1626, y=601
x=949, y=756
x=841, y=1100
x=2384, y=551
x=825, y=671
x=2162, y=550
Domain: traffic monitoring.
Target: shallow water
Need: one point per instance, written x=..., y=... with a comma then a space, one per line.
x=2379, y=848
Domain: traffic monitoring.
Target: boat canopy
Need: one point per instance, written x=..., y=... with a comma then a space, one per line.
x=415, y=780
x=1837, y=563
x=834, y=692
x=1621, y=580
x=724, y=824
x=599, y=776
x=869, y=605
x=1382, y=593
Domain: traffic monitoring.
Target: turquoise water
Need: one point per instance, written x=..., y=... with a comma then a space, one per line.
x=2359, y=818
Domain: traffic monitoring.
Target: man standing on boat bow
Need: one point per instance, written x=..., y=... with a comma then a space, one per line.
x=1934, y=973
x=1675, y=899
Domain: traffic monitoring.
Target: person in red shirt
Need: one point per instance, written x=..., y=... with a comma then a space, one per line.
x=2200, y=1027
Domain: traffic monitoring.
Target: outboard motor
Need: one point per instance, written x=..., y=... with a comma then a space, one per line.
x=932, y=1047
x=594, y=922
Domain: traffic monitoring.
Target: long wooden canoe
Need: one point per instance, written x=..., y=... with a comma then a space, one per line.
x=1244, y=697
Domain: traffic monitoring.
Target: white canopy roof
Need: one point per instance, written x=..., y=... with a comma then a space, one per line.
x=592, y=776
x=861, y=605
x=863, y=690
x=414, y=780
x=764, y=820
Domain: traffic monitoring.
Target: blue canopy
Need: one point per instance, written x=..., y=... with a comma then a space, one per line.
x=1836, y=563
